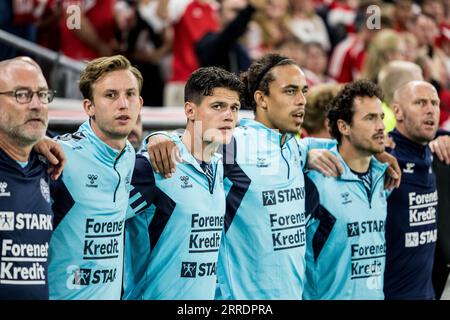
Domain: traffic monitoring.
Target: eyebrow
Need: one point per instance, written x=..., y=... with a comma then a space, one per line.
x=28, y=88
x=426, y=99
x=291, y=86
x=374, y=114
x=223, y=102
x=128, y=89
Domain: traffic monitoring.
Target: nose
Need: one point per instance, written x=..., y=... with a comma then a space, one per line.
x=228, y=114
x=35, y=103
x=430, y=108
x=123, y=101
x=380, y=124
x=300, y=99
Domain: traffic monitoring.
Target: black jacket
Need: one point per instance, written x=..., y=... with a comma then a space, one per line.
x=26, y=225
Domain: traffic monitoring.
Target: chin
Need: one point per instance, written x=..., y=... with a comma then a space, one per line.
x=227, y=140
x=293, y=130
x=221, y=138
x=378, y=149
x=35, y=135
x=123, y=131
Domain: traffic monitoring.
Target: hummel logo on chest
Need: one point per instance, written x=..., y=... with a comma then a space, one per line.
x=409, y=168
x=185, y=180
x=92, y=181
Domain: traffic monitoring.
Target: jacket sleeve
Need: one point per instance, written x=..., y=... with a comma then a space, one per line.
x=143, y=187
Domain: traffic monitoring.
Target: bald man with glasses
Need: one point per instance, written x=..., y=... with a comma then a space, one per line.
x=26, y=218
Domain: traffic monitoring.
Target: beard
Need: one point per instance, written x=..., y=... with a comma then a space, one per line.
x=24, y=136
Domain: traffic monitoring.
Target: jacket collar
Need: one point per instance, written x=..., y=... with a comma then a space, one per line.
x=378, y=168
x=103, y=151
x=30, y=169
x=403, y=142
x=273, y=136
x=187, y=157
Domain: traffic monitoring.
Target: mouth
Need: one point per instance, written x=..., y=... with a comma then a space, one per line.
x=299, y=116
x=36, y=120
x=429, y=123
x=379, y=137
x=225, y=128
x=123, y=118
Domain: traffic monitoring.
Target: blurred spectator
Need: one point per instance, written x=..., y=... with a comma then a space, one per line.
x=445, y=46
x=348, y=56
x=386, y=46
x=341, y=16
x=222, y=48
x=315, y=123
x=191, y=20
x=403, y=10
x=95, y=36
x=434, y=9
x=306, y=25
x=145, y=49
x=19, y=17
x=411, y=46
x=391, y=77
x=293, y=49
x=315, y=66
x=432, y=60
x=268, y=29
x=92, y=38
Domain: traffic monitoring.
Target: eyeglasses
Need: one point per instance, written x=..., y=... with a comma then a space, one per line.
x=26, y=95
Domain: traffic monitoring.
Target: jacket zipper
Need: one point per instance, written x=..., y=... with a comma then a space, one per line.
x=282, y=155
x=210, y=186
x=114, y=167
x=373, y=189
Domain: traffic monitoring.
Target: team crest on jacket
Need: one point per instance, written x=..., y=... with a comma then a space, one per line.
x=3, y=191
x=45, y=191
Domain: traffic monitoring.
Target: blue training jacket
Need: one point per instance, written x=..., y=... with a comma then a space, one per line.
x=173, y=242
x=262, y=254
x=26, y=224
x=90, y=204
x=411, y=228
x=346, y=248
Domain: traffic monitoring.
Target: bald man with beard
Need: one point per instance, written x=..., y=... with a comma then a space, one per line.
x=411, y=224
x=26, y=218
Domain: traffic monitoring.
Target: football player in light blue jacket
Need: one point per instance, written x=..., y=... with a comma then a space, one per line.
x=172, y=243
x=262, y=254
x=346, y=247
x=90, y=200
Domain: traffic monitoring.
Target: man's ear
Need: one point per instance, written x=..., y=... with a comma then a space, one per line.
x=89, y=108
x=260, y=99
x=343, y=127
x=398, y=112
x=141, y=103
x=189, y=111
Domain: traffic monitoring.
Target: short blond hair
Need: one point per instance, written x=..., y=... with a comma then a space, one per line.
x=395, y=74
x=318, y=99
x=96, y=68
x=385, y=42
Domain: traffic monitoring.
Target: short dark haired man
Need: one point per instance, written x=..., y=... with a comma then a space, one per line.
x=172, y=244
